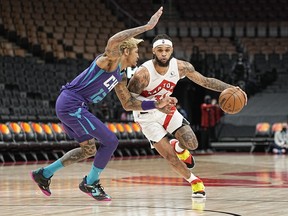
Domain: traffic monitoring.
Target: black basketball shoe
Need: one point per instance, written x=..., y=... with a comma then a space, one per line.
x=94, y=190
x=42, y=182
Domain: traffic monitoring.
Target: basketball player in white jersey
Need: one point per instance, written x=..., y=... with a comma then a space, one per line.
x=156, y=79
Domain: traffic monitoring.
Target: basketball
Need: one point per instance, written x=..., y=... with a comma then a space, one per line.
x=231, y=100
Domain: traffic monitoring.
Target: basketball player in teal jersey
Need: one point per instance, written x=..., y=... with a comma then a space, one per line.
x=91, y=86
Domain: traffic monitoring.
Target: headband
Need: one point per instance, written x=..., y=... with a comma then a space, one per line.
x=162, y=42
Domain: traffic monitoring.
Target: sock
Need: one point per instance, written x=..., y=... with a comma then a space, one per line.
x=52, y=168
x=178, y=149
x=192, y=178
x=93, y=174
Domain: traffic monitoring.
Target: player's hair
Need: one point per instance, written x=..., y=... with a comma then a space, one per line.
x=129, y=44
x=161, y=36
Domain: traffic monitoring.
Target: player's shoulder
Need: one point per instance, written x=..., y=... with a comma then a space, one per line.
x=142, y=70
x=183, y=64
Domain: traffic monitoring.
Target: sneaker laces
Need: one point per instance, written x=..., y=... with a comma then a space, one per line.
x=94, y=187
x=47, y=183
x=100, y=188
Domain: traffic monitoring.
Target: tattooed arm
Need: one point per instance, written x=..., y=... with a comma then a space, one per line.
x=110, y=58
x=187, y=69
x=136, y=85
x=139, y=80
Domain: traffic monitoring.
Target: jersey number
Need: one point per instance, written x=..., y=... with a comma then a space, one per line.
x=110, y=83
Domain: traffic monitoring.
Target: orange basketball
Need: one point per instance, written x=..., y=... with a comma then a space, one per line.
x=231, y=100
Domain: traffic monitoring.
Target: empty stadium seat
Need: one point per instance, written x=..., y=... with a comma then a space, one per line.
x=121, y=129
x=39, y=132
x=262, y=136
x=112, y=127
x=29, y=134
x=128, y=128
x=48, y=132
x=137, y=130
x=59, y=133
x=17, y=132
x=5, y=132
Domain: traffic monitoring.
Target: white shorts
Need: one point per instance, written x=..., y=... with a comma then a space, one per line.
x=156, y=124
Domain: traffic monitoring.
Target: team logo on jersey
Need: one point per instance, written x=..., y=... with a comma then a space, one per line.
x=165, y=84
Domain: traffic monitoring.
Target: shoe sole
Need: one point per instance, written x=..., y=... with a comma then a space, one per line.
x=43, y=191
x=198, y=195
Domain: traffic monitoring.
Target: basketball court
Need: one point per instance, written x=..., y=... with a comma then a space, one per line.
x=236, y=184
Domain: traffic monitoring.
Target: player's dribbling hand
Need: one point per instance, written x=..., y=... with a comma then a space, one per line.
x=154, y=19
x=167, y=101
x=171, y=102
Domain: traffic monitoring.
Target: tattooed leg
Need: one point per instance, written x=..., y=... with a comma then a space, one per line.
x=87, y=149
x=187, y=138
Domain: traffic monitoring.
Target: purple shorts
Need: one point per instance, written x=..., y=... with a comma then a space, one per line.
x=77, y=121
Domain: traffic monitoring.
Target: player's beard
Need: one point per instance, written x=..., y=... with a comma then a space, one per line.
x=161, y=64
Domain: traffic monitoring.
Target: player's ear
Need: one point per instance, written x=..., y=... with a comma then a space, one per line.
x=126, y=51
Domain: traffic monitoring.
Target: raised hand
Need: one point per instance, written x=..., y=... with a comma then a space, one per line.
x=154, y=19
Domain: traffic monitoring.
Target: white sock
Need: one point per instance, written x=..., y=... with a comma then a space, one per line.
x=192, y=178
x=178, y=149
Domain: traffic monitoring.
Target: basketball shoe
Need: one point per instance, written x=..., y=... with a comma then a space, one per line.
x=42, y=182
x=184, y=156
x=198, y=189
x=94, y=190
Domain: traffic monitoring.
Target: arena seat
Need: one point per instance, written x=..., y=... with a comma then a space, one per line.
x=137, y=129
x=17, y=132
x=29, y=134
x=58, y=131
x=263, y=129
x=277, y=126
x=48, y=132
x=6, y=134
x=129, y=130
x=112, y=127
x=39, y=132
x=121, y=129
x=262, y=137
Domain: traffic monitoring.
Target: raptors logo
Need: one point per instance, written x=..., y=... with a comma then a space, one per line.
x=169, y=86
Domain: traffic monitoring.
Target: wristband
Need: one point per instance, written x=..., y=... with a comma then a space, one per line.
x=147, y=105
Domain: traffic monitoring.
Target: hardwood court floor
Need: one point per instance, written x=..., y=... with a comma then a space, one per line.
x=236, y=184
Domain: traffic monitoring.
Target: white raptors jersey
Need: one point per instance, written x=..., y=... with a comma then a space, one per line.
x=159, y=85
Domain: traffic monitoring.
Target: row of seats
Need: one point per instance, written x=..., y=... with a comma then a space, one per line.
x=17, y=132
x=236, y=10
x=36, y=141
x=61, y=36
x=267, y=130
x=264, y=135
x=221, y=29
x=62, y=31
